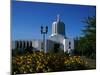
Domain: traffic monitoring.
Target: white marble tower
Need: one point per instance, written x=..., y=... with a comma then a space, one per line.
x=58, y=27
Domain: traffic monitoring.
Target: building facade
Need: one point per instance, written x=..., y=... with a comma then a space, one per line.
x=58, y=36
x=56, y=39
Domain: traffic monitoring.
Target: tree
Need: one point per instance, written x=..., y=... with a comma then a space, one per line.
x=29, y=49
x=87, y=43
x=90, y=31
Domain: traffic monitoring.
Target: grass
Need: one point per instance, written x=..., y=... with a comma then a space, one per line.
x=91, y=62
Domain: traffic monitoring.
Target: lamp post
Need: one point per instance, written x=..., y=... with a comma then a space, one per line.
x=44, y=31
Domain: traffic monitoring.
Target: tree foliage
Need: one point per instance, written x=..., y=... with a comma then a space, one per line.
x=86, y=45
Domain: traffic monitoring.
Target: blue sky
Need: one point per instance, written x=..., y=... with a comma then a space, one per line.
x=27, y=18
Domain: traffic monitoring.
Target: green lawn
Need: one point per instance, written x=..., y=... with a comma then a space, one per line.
x=91, y=62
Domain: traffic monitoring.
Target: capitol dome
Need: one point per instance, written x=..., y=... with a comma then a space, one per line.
x=58, y=27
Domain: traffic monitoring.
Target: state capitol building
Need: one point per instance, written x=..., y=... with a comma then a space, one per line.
x=57, y=38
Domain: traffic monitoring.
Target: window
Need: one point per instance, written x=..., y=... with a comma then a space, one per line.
x=69, y=45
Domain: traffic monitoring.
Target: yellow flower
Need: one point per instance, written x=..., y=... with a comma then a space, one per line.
x=30, y=70
x=28, y=66
x=25, y=72
x=66, y=62
x=21, y=57
x=37, y=62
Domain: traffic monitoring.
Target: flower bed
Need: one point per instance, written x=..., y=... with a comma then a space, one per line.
x=37, y=62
